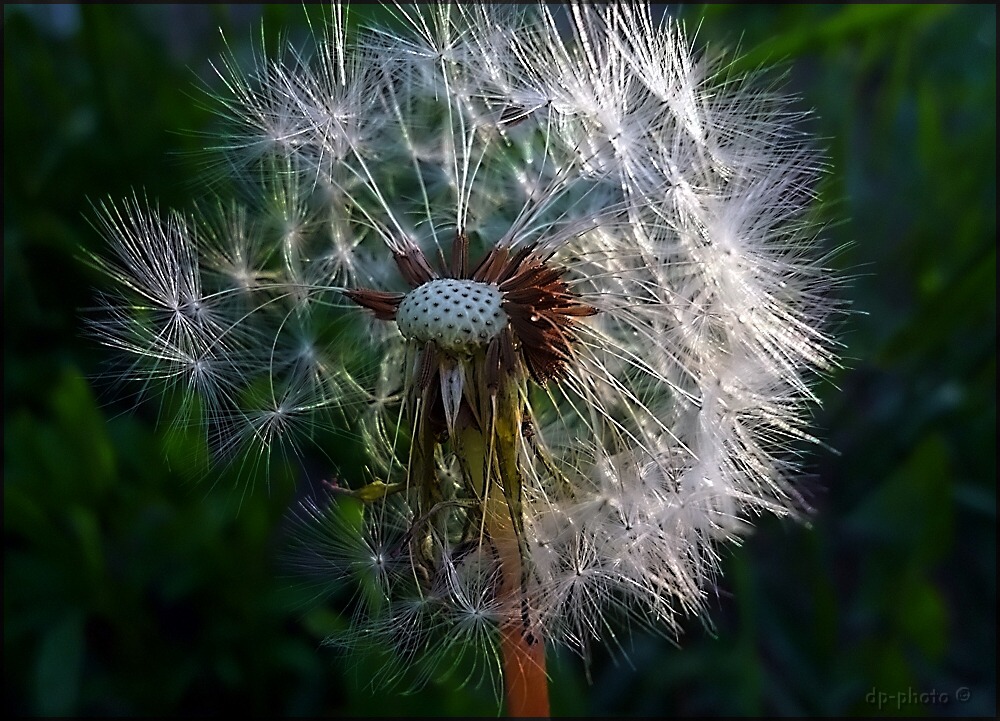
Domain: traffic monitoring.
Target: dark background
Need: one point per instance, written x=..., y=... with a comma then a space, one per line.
x=132, y=585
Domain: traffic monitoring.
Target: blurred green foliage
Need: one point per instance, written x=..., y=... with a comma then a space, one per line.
x=132, y=588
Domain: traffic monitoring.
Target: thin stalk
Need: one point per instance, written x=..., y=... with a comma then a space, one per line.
x=522, y=644
x=525, y=682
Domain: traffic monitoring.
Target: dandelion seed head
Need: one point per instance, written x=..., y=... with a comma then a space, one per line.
x=562, y=234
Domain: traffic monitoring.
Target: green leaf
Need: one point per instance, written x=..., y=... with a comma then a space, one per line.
x=58, y=668
x=910, y=513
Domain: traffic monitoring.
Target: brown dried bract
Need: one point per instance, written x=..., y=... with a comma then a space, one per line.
x=541, y=307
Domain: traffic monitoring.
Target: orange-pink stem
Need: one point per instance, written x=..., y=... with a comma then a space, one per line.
x=525, y=682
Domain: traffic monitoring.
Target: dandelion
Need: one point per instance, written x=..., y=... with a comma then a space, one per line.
x=553, y=269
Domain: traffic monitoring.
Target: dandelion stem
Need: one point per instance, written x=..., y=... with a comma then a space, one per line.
x=522, y=643
x=525, y=682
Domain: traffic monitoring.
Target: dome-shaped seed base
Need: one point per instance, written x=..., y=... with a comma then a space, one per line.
x=458, y=315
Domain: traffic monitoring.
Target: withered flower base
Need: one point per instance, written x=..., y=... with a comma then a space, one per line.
x=480, y=334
